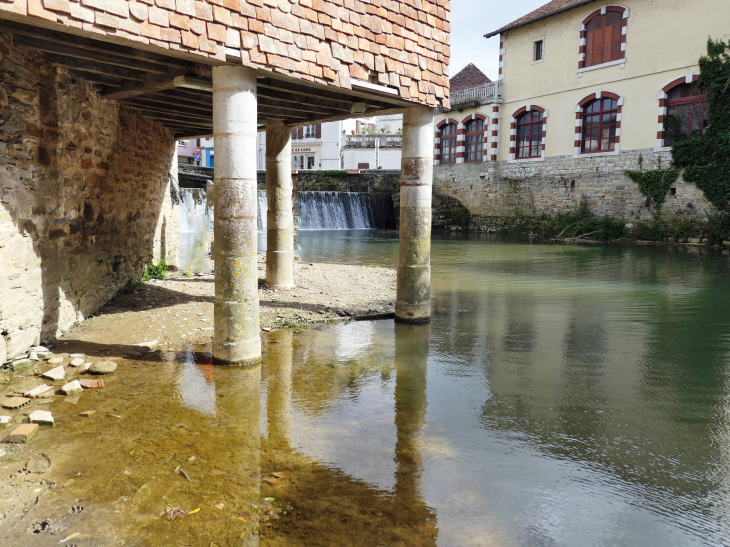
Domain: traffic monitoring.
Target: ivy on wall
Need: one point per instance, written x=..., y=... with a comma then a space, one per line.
x=705, y=159
x=655, y=183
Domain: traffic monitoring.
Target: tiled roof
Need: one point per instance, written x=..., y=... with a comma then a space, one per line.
x=551, y=8
x=469, y=76
x=404, y=44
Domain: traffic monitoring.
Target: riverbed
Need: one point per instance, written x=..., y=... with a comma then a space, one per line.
x=561, y=395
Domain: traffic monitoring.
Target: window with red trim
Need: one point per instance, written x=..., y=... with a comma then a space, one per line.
x=529, y=135
x=686, y=112
x=600, y=118
x=448, y=143
x=474, y=139
x=603, y=39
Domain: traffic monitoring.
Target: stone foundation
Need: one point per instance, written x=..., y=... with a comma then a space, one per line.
x=86, y=199
x=495, y=190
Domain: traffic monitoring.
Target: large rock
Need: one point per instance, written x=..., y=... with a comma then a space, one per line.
x=3, y=350
x=20, y=340
x=103, y=367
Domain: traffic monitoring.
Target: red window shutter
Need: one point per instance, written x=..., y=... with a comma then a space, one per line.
x=294, y=133
x=597, y=54
x=300, y=133
x=318, y=131
x=589, y=46
x=607, y=37
x=616, y=38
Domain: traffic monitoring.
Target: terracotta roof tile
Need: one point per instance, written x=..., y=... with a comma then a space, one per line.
x=551, y=8
x=469, y=76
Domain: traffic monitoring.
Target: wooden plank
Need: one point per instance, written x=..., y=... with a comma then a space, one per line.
x=172, y=114
x=94, y=68
x=297, y=98
x=95, y=56
x=173, y=107
x=350, y=96
x=63, y=38
x=98, y=79
x=296, y=107
x=150, y=85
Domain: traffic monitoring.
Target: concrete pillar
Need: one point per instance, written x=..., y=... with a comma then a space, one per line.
x=413, y=298
x=280, y=217
x=236, y=309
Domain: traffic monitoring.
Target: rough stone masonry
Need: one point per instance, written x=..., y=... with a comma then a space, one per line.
x=86, y=199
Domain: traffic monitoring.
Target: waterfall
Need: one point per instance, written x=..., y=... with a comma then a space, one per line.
x=195, y=229
x=332, y=211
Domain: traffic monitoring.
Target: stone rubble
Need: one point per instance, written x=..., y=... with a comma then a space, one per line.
x=55, y=374
x=42, y=417
x=72, y=388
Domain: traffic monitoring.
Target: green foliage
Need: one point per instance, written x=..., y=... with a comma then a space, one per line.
x=654, y=183
x=130, y=285
x=717, y=227
x=706, y=158
x=326, y=174
x=155, y=271
x=581, y=222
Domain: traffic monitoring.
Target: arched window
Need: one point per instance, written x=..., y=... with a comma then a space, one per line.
x=474, y=140
x=686, y=112
x=448, y=143
x=529, y=135
x=600, y=120
x=603, y=38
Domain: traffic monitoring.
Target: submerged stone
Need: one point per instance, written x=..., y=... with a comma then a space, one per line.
x=43, y=417
x=77, y=362
x=72, y=388
x=103, y=367
x=56, y=374
x=23, y=433
x=39, y=390
x=14, y=402
x=20, y=364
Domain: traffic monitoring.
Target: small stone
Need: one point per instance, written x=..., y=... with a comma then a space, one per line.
x=5, y=419
x=44, y=354
x=77, y=362
x=56, y=360
x=56, y=374
x=22, y=434
x=43, y=417
x=20, y=364
x=38, y=349
x=74, y=355
x=15, y=402
x=36, y=391
x=85, y=367
x=148, y=345
x=91, y=384
x=72, y=388
x=34, y=356
x=87, y=413
x=103, y=367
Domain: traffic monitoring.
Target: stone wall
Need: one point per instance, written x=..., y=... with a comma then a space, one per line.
x=493, y=191
x=85, y=199
x=372, y=181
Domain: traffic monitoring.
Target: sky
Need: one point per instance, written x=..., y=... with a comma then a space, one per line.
x=471, y=20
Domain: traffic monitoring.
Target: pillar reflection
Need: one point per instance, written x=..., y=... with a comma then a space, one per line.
x=279, y=366
x=411, y=358
x=238, y=450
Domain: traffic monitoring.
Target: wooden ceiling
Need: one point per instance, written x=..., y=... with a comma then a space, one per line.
x=177, y=92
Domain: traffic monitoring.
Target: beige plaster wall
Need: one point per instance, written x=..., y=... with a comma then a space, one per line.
x=664, y=41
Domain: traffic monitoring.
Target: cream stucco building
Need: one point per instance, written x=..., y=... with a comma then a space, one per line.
x=583, y=90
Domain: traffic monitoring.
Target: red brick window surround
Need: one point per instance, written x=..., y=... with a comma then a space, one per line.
x=598, y=124
x=474, y=137
x=445, y=146
x=603, y=38
x=528, y=131
x=683, y=99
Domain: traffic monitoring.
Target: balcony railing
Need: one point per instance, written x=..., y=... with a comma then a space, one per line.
x=492, y=90
x=368, y=141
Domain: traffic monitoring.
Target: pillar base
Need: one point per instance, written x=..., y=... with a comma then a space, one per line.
x=409, y=312
x=237, y=353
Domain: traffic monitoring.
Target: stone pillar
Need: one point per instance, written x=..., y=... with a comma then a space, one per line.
x=280, y=217
x=236, y=309
x=413, y=299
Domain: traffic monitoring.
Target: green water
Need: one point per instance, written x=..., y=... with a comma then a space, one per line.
x=565, y=396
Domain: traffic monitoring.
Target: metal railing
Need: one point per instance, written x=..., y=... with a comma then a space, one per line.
x=368, y=141
x=492, y=90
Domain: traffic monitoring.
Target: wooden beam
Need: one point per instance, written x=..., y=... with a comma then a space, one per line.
x=99, y=79
x=173, y=107
x=266, y=101
x=149, y=85
x=95, y=56
x=171, y=114
x=94, y=68
x=63, y=38
x=288, y=87
x=297, y=98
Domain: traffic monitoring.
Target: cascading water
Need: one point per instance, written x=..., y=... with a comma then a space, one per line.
x=195, y=229
x=328, y=211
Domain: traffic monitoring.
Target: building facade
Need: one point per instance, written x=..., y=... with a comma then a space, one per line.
x=584, y=88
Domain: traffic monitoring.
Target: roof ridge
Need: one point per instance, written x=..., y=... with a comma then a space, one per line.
x=553, y=7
